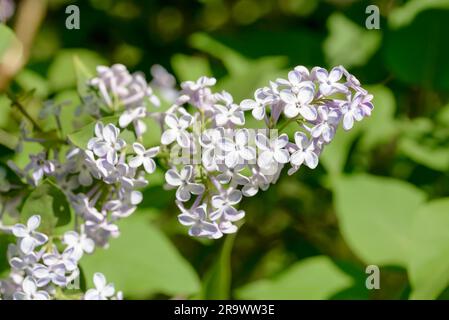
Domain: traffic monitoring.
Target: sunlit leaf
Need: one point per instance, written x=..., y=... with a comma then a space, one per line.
x=375, y=216
x=190, y=68
x=312, y=279
x=142, y=262
x=429, y=256
x=62, y=74
x=49, y=202
x=349, y=44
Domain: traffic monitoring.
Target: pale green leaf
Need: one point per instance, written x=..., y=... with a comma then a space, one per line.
x=49, y=202
x=62, y=74
x=314, y=278
x=142, y=262
x=375, y=215
x=349, y=44
x=429, y=257
x=190, y=67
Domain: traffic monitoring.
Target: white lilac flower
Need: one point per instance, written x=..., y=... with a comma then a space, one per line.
x=125, y=205
x=232, y=175
x=177, y=130
x=164, y=82
x=76, y=164
x=196, y=219
x=257, y=106
x=209, y=142
x=39, y=166
x=257, y=180
x=183, y=181
x=356, y=109
x=45, y=275
x=199, y=93
x=305, y=152
x=117, y=86
x=85, y=209
x=224, y=205
x=107, y=142
x=101, y=231
x=29, y=238
x=21, y=261
x=135, y=116
x=144, y=157
x=326, y=124
x=298, y=101
x=30, y=291
x=79, y=242
x=102, y=291
x=66, y=259
x=229, y=113
x=329, y=82
x=272, y=151
x=12, y=284
x=239, y=151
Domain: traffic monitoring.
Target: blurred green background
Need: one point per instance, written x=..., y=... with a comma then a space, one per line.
x=379, y=196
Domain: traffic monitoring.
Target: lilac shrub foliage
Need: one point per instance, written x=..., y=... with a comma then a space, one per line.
x=211, y=154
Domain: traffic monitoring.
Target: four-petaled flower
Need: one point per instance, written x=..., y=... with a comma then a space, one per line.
x=196, y=219
x=144, y=157
x=102, y=290
x=305, y=152
x=182, y=180
x=177, y=130
x=29, y=238
x=79, y=242
x=273, y=151
x=107, y=142
x=230, y=113
x=298, y=100
x=30, y=291
x=329, y=82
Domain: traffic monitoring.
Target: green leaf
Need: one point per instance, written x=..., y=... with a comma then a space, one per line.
x=314, y=278
x=8, y=40
x=349, y=44
x=428, y=268
x=142, y=262
x=417, y=53
x=217, y=283
x=335, y=154
x=83, y=74
x=434, y=157
x=253, y=73
x=51, y=204
x=381, y=125
x=81, y=137
x=375, y=216
x=190, y=68
x=64, y=72
x=31, y=80
x=404, y=15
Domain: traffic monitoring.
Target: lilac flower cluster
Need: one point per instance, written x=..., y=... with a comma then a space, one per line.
x=117, y=88
x=212, y=155
x=100, y=182
x=236, y=161
x=39, y=270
